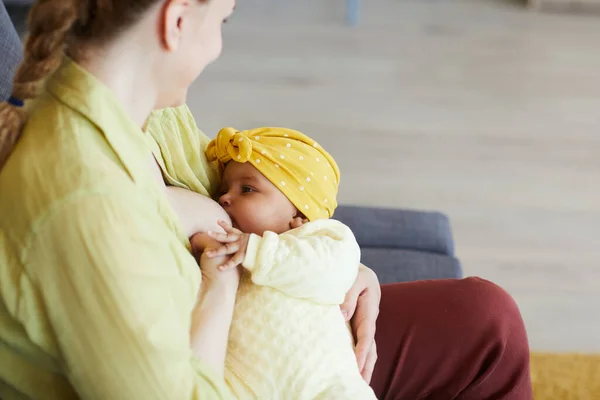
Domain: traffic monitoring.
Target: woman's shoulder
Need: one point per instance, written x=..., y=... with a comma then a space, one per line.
x=60, y=157
x=179, y=147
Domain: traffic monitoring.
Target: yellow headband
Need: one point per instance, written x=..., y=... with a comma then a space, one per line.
x=304, y=172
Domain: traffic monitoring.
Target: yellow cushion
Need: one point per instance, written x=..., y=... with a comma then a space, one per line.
x=565, y=376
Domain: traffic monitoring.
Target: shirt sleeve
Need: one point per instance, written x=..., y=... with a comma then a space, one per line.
x=179, y=146
x=318, y=261
x=110, y=276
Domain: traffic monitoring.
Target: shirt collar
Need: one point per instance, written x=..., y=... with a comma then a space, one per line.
x=84, y=93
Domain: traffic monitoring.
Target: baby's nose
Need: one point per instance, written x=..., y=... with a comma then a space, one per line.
x=225, y=200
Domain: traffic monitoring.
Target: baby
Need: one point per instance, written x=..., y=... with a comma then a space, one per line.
x=288, y=338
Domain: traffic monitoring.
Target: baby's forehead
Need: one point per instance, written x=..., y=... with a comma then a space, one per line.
x=235, y=171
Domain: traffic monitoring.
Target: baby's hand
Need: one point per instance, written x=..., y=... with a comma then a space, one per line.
x=202, y=243
x=298, y=222
x=233, y=242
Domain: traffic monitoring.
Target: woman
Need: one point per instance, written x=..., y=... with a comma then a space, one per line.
x=97, y=285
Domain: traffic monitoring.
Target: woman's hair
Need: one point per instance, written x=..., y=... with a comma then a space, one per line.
x=53, y=25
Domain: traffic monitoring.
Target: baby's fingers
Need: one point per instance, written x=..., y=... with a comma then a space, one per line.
x=228, y=228
x=224, y=237
x=231, y=264
x=228, y=248
x=227, y=266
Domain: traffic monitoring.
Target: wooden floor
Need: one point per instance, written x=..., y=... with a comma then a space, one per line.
x=480, y=109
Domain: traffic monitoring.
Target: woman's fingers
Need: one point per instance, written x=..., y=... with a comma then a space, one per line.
x=349, y=306
x=367, y=371
x=365, y=337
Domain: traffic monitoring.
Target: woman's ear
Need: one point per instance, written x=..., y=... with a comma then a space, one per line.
x=172, y=18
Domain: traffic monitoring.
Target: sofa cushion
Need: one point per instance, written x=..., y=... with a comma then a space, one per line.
x=10, y=51
x=398, y=265
x=398, y=229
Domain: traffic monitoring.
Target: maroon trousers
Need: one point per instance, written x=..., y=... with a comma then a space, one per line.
x=450, y=339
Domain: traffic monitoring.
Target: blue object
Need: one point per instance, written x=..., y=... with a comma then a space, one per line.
x=403, y=245
x=15, y=102
x=11, y=52
x=352, y=12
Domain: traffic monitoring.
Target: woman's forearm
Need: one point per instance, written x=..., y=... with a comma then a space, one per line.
x=211, y=320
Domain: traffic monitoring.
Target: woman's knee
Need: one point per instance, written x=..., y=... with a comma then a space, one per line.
x=494, y=315
x=489, y=302
x=469, y=331
x=502, y=343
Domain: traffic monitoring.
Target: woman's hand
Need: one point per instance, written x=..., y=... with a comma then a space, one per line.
x=233, y=242
x=361, y=307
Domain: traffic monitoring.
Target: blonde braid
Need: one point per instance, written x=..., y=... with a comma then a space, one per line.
x=50, y=22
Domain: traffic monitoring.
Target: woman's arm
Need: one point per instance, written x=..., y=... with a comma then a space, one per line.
x=218, y=287
x=211, y=320
x=110, y=279
x=361, y=307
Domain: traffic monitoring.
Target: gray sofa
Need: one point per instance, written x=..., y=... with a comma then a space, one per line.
x=10, y=52
x=403, y=245
x=400, y=245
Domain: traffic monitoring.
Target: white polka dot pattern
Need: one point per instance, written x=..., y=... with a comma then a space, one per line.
x=284, y=155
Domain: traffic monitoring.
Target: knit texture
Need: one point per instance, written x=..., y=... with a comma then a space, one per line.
x=288, y=338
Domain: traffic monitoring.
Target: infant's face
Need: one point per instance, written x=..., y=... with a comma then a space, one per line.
x=254, y=204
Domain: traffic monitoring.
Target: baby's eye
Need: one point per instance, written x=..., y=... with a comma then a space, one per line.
x=247, y=189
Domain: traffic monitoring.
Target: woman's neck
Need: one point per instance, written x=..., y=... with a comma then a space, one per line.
x=128, y=74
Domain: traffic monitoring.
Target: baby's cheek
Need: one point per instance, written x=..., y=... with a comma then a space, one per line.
x=249, y=224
